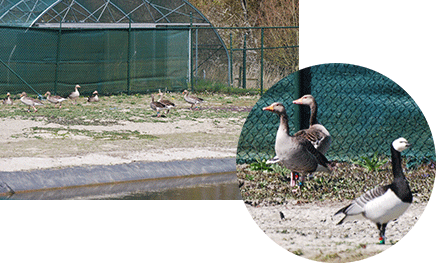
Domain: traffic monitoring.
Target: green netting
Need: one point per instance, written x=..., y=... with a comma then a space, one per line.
x=363, y=110
x=105, y=45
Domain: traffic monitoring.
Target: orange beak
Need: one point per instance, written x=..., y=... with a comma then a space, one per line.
x=299, y=101
x=269, y=108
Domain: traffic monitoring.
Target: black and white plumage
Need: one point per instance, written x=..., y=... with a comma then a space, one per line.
x=385, y=203
x=294, y=152
x=93, y=97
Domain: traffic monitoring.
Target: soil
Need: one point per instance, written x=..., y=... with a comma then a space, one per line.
x=310, y=230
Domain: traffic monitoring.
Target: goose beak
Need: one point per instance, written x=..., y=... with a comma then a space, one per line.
x=269, y=108
x=299, y=101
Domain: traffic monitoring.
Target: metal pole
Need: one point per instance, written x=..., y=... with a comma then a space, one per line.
x=128, y=56
x=191, y=49
x=261, y=61
x=231, y=60
x=244, y=64
x=58, y=50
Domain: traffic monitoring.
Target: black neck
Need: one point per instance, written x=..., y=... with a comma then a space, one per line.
x=397, y=170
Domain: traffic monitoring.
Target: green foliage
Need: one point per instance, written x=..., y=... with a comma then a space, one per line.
x=260, y=165
x=371, y=164
x=346, y=182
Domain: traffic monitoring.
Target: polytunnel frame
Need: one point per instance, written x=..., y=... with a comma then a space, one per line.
x=118, y=24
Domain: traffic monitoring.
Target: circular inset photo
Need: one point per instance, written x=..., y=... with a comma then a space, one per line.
x=336, y=163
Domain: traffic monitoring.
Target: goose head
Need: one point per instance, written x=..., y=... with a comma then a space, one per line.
x=401, y=144
x=95, y=93
x=8, y=94
x=305, y=100
x=276, y=107
x=47, y=94
x=24, y=94
x=185, y=92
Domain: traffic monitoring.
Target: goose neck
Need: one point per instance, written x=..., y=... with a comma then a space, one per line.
x=313, y=114
x=397, y=170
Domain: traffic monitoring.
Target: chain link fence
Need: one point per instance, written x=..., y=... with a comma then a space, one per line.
x=363, y=110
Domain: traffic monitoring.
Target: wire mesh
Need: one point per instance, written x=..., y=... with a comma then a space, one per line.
x=363, y=110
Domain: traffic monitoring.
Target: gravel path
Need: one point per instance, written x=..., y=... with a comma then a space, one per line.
x=310, y=230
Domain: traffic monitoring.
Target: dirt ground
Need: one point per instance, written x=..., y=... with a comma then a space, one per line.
x=310, y=230
x=23, y=147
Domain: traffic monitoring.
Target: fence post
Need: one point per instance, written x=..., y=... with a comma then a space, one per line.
x=128, y=56
x=303, y=87
x=231, y=60
x=191, y=48
x=261, y=61
x=244, y=63
x=58, y=50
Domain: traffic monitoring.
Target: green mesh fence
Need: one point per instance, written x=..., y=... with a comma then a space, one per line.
x=110, y=61
x=111, y=46
x=363, y=110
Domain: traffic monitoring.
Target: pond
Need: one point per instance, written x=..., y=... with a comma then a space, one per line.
x=221, y=186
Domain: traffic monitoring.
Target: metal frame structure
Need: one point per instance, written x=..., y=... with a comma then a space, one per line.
x=107, y=14
x=37, y=12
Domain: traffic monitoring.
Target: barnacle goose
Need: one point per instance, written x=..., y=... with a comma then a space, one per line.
x=384, y=203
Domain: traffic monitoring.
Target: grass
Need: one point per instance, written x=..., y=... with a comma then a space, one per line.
x=347, y=181
x=112, y=110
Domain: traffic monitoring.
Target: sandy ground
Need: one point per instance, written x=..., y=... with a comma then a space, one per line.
x=311, y=230
x=21, y=148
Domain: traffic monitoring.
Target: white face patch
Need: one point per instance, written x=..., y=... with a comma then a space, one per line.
x=400, y=144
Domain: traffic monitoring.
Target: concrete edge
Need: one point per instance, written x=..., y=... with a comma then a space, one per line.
x=18, y=181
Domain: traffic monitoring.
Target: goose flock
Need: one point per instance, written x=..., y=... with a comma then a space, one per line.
x=158, y=106
x=304, y=152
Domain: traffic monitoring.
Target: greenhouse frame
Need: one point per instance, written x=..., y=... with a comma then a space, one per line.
x=113, y=46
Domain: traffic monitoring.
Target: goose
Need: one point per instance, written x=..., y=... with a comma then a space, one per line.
x=295, y=152
x=54, y=99
x=168, y=104
x=8, y=100
x=192, y=99
x=30, y=101
x=93, y=97
x=383, y=203
x=75, y=94
x=157, y=106
x=317, y=134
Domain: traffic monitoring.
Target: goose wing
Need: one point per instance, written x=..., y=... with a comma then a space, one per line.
x=322, y=160
x=357, y=207
x=319, y=139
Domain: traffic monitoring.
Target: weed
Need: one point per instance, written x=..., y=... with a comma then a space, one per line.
x=371, y=164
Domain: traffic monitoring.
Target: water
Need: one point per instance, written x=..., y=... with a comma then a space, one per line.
x=222, y=186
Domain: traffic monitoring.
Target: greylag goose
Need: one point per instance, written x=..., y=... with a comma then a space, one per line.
x=383, y=203
x=8, y=100
x=157, y=106
x=168, y=104
x=93, y=97
x=75, y=94
x=317, y=134
x=54, y=99
x=295, y=152
x=192, y=99
x=30, y=101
